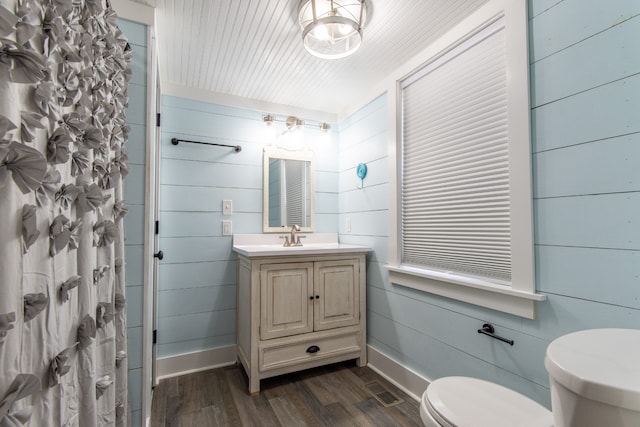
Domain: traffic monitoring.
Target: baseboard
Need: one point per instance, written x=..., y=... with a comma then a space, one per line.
x=402, y=377
x=182, y=364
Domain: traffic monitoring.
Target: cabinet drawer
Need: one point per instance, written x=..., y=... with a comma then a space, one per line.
x=278, y=355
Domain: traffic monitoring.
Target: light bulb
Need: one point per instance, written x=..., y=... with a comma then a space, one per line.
x=344, y=29
x=270, y=133
x=321, y=32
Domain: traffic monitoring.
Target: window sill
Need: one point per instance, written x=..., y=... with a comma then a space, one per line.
x=473, y=291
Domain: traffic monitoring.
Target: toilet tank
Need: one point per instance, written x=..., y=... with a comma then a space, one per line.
x=595, y=378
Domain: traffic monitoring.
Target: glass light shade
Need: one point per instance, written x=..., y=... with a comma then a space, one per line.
x=335, y=30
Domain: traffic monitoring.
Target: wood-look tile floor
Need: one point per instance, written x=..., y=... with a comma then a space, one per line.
x=335, y=395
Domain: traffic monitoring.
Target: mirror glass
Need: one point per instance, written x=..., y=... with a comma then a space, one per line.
x=288, y=190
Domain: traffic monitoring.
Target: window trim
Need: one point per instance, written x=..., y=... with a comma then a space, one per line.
x=519, y=298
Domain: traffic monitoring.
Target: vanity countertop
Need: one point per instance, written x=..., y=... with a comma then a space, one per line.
x=261, y=245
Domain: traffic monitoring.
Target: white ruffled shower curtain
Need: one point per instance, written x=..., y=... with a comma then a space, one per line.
x=64, y=68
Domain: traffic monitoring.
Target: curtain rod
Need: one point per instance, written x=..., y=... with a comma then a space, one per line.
x=236, y=148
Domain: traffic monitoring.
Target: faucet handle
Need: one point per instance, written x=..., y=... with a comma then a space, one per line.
x=298, y=237
x=286, y=241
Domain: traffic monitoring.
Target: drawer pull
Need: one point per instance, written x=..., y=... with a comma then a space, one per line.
x=313, y=349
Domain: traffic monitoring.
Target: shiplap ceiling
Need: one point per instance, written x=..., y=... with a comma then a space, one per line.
x=253, y=48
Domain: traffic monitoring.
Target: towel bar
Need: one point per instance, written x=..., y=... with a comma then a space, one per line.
x=489, y=330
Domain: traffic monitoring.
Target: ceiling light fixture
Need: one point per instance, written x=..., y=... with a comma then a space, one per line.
x=332, y=29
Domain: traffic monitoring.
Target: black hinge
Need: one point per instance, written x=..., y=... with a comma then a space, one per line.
x=158, y=119
x=157, y=227
x=155, y=336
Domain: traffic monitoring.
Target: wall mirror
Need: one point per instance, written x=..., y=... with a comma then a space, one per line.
x=288, y=197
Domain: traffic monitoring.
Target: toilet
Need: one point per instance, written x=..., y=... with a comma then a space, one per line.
x=595, y=378
x=595, y=382
x=471, y=402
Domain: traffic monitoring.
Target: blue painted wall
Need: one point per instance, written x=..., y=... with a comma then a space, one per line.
x=197, y=278
x=134, y=194
x=585, y=87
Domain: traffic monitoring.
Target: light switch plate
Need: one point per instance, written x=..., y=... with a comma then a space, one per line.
x=227, y=228
x=227, y=207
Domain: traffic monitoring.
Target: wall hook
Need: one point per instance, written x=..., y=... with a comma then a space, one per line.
x=361, y=171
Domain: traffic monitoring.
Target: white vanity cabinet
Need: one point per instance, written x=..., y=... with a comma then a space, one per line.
x=300, y=311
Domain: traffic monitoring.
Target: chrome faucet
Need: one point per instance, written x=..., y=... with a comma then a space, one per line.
x=292, y=239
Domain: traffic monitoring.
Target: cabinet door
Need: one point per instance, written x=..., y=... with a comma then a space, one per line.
x=337, y=294
x=286, y=292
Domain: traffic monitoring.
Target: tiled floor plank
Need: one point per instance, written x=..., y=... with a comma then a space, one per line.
x=332, y=396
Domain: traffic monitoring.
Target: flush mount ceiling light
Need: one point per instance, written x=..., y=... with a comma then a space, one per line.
x=332, y=29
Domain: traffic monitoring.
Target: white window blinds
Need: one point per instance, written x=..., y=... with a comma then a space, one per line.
x=295, y=185
x=455, y=161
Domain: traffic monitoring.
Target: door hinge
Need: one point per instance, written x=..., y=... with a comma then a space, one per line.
x=157, y=227
x=155, y=337
x=158, y=119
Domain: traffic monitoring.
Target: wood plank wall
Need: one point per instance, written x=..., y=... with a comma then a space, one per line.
x=197, y=278
x=585, y=90
x=134, y=194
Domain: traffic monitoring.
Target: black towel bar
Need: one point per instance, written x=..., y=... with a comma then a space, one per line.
x=176, y=141
x=489, y=330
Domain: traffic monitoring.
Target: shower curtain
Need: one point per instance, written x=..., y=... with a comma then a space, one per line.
x=64, y=68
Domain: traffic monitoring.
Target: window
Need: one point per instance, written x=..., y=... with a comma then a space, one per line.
x=463, y=212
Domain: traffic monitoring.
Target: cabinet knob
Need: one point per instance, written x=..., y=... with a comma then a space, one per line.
x=313, y=349
x=317, y=296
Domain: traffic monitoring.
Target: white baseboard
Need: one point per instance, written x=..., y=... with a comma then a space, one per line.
x=188, y=363
x=402, y=377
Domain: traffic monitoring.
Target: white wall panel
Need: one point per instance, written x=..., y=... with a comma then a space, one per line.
x=587, y=199
x=605, y=166
x=134, y=185
x=593, y=281
x=598, y=60
x=196, y=274
x=197, y=277
x=571, y=21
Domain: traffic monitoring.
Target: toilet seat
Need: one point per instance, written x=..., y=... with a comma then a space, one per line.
x=471, y=402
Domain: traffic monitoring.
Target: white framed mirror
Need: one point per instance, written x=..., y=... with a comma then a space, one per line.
x=288, y=196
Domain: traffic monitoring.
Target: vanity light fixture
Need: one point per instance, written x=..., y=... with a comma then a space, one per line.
x=293, y=123
x=268, y=119
x=332, y=29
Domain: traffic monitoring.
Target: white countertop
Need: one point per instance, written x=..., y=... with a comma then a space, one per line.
x=260, y=245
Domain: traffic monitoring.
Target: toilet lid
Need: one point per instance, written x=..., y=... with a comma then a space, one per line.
x=470, y=402
x=600, y=364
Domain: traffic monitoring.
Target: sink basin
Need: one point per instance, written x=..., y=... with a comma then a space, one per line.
x=255, y=245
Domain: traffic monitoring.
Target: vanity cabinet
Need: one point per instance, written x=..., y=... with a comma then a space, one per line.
x=298, y=312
